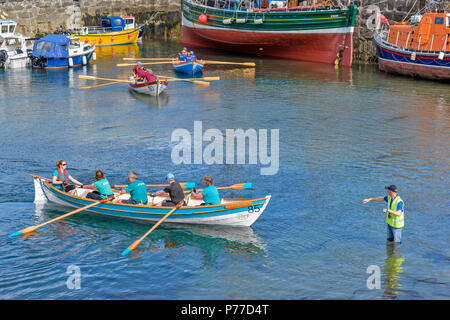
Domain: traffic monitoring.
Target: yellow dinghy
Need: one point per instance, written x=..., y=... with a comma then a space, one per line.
x=113, y=31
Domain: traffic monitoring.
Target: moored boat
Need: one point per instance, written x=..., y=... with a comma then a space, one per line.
x=417, y=48
x=13, y=47
x=187, y=67
x=154, y=88
x=231, y=212
x=58, y=51
x=113, y=31
x=317, y=33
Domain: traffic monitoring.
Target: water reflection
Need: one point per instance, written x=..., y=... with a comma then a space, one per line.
x=212, y=241
x=244, y=73
x=112, y=52
x=393, y=268
x=158, y=101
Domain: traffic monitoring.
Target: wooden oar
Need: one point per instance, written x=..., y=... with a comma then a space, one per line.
x=186, y=185
x=248, y=64
x=106, y=79
x=238, y=186
x=146, y=59
x=192, y=79
x=136, y=243
x=146, y=63
x=32, y=228
x=205, y=83
x=101, y=85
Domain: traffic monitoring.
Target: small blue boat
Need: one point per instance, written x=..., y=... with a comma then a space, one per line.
x=187, y=67
x=59, y=51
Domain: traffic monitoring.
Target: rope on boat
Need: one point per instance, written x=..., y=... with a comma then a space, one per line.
x=410, y=10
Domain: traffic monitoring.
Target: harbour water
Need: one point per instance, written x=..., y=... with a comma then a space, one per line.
x=344, y=134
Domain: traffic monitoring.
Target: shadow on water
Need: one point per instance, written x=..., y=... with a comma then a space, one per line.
x=211, y=240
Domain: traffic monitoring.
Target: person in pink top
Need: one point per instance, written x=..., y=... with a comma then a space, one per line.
x=148, y=75
x=138, y=71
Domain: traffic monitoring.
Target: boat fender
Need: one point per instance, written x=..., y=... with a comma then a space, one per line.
x=413, y=56
x=70, y=62
x=84, y=60
x=112, y=38
x=441, y=55
x=129, y=36
x=100, y=41
x=94, y=56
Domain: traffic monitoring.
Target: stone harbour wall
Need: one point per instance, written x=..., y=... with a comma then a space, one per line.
x=45, y=16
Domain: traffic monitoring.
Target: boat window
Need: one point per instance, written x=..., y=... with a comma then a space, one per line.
x=117, y=22
x=129, y=21
x=11, y=29
x=4, y=29
x=106, y=23
x=439, y=20
x=44, y=46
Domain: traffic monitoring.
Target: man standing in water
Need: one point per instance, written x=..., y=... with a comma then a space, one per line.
x=394, y=213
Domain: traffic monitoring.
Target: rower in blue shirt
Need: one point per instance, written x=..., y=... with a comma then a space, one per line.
x=183, y=55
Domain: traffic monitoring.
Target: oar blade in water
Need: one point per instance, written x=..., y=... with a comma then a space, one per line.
x=23, y=231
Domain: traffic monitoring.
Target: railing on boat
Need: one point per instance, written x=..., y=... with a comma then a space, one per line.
x=380, y=39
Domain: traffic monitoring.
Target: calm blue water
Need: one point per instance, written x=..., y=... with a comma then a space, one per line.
x=344, y=135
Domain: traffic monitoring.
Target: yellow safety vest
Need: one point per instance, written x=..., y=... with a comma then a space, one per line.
x=392, y=219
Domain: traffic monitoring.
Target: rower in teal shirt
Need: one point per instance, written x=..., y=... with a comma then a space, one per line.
x=137, y=190
x=103, y=188
x=210, y=195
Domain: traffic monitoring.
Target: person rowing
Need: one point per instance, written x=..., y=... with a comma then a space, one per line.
x=101, y=187
x=209, y=195
x=174, y=190
x=148, y=75
x=61, y=177
x=138, y=72
x=183, y=54
x=137, y=190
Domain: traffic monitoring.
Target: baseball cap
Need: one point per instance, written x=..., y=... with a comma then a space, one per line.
x=139, y=62
x=392, y=187
x=170, y=176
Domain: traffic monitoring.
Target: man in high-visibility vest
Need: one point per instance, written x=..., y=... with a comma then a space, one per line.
x=395, y=216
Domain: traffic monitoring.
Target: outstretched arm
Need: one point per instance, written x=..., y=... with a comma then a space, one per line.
x=74, y=180
x=373, y=199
